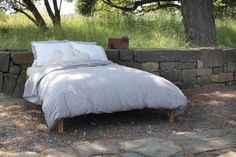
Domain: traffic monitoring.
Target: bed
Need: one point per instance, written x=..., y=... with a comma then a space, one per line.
x=92, y=84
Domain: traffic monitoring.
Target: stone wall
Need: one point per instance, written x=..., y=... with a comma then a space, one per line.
x=185, y=67
x=13, y=65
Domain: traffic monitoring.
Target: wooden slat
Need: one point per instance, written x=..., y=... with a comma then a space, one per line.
x=61, y=126
x=171, y=116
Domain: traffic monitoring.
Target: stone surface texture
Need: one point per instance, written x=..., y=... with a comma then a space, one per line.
x=152, y=147
x=1, y=81
x=96, y=149
x=22, y=58
x=4, y=61
x=186, y=68
x=9, y=85
x=60, y=152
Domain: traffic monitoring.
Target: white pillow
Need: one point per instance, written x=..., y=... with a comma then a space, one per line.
x=95, y=52
x=56, y=56
x=84, y=42
x=81, y=56
x=44, y=51
x=33, y=43
x=68, y=54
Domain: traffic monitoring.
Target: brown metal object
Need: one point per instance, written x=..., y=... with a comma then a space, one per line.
x=115, y=43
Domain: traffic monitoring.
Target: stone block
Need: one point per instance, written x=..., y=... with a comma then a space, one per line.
x=199, y=64
x=149, y=66
x=14, y=69
x=219, y=78
x=19, y=154
x=167, y=66
x=96, y=149
x=9, y=85
x=1, y=81
x=126, y=54
x=217, y=70
x=229, y=54
x=230, y=76
x=230, y=67
x=189, y=78
x=138, y=65
x=112, y=55
x=9, y=75
x=152, y=147
x=173, y=75
x=185, y=65
x=206, y=71
x=60, y=152
x=128, y=64
x=22, y=57
x=19, y=89
x=205, y=79
x=165, y=55
x=4, y=61
x=190, y=75
x=188, y=84
x=222, y=77
x=212, y=57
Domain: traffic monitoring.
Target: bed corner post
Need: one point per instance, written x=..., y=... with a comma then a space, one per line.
x=171, y=116
x=61, y=126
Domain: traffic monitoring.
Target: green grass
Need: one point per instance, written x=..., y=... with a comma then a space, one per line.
x=149, y=31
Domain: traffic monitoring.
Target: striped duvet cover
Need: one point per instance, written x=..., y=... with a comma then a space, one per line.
x=76, y=88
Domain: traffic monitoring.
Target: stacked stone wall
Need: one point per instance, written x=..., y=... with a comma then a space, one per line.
x=185, y=67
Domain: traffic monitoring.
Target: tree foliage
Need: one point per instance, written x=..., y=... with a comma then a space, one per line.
x=222, y=7
x=85, y=7
x=225, y=8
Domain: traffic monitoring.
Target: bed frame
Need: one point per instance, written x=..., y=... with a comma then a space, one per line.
x=61, y=125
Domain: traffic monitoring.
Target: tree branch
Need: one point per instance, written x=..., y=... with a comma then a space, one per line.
x=163, y=6
x=26, y=14
x=140, y=3
x=49, y=10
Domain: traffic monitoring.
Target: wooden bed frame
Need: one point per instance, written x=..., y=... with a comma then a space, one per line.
x=61, y=125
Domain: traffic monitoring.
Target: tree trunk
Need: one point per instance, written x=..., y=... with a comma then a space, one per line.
x=199, y=22
x=55, y=17
x=39, y=21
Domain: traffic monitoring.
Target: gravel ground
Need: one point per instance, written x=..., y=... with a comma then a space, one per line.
x=23, y=128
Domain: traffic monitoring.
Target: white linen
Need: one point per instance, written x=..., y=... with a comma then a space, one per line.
x=34, y=63
x=77, y=88
x=32, y=70
x=95, y=52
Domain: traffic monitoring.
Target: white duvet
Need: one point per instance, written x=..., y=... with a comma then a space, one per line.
x=76, y=88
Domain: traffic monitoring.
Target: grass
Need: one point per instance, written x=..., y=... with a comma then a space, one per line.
x=149, y=31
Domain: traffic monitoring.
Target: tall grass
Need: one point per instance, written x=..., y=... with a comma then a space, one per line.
x=149, y=31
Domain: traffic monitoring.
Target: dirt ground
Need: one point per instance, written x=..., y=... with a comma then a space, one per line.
x=23, y=128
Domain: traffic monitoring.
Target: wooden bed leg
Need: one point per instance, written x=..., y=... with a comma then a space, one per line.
x=61, y=126
x=171, y=116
